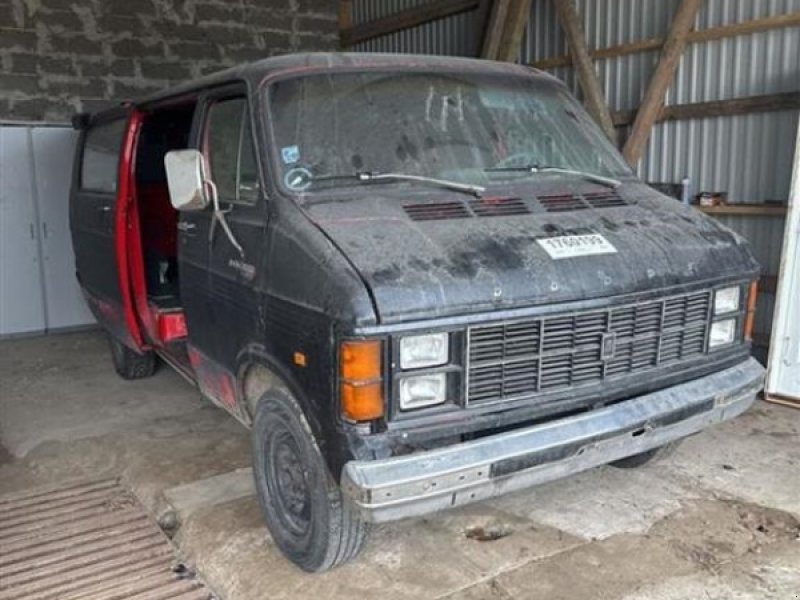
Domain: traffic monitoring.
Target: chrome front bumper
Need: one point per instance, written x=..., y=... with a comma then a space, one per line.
x=424, y=482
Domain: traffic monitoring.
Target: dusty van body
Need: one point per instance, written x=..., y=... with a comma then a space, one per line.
x=421, y=282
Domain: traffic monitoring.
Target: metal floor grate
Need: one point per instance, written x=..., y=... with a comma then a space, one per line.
x=88, y=541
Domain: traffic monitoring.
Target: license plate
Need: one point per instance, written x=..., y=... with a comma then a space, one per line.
x=569, y=246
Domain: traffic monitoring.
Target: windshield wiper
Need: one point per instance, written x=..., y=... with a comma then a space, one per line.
x=475, y=190
x=609, y=181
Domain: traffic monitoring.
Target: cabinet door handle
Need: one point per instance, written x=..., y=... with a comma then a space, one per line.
x=33, y=234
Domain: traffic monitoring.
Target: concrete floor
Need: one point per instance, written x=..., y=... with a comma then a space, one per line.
x=718, y=520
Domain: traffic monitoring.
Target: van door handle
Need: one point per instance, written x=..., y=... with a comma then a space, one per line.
x=105, y=208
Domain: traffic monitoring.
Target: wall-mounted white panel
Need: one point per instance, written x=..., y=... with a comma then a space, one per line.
x=21, y=297
x=53, y=150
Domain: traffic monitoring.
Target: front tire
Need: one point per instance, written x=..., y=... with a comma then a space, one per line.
x=309, y=519
x=129, y=364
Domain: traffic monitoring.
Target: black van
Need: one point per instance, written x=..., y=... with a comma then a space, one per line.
x=421, y=281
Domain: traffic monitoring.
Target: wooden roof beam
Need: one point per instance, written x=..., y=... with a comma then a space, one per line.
x=653, y=101
x=703, y=35
x=595, y=98
x=411, y=17
x=505, y=30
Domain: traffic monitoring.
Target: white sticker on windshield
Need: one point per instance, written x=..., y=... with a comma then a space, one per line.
x=290, y=154
x=569, y=246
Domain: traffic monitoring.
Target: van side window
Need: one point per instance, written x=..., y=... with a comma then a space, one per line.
x=100, y=164
x=230, y=151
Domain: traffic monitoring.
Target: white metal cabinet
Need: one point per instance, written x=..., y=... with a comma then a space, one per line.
x=38, y=290
x=21, y=296
x=53, y=150
x=783, y=378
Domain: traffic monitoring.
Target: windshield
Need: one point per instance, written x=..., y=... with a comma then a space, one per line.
x=460, y=127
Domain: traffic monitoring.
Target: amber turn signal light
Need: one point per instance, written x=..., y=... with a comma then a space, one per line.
x=362, y=384
x=750, y=317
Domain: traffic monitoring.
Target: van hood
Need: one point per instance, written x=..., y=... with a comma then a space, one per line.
x=443, y=254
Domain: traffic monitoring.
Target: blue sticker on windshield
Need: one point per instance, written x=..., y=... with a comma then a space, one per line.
x=290, y=154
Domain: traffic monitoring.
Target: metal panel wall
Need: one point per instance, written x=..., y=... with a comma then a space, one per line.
x=748, y=156
x=452, y=36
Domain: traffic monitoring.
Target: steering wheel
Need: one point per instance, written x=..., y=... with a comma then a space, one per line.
x=519, y=159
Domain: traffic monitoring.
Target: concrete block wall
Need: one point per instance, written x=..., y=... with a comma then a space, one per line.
x=58, y=57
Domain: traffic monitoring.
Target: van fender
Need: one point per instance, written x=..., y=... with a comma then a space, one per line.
x=257, y=373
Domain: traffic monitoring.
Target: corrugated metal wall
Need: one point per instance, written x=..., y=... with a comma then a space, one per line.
x=454, y=36
x=748, y=156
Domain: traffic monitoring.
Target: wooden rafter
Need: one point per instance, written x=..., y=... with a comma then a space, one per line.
x=404, y=20
x=703, y=35
x=505, y=29
x=653, y=100
x=483, y=19
x=494, y=29
x=345, y=18
x=717, y=108
x=594, y=95
x=745, y=210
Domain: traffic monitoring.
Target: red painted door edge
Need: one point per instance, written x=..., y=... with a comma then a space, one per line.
x=122, y=231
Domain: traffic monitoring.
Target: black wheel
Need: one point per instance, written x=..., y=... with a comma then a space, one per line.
x=310, y=521
x=639, y=460
x=129, y=364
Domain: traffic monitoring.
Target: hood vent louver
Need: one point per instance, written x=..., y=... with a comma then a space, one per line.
x=480, y=207
x=569, y=202
x=562, y=203
x=440, y=211
x=498, y=207
x=604, y=200
x=509, y=207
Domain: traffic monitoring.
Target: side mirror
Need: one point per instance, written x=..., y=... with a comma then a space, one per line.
x=186, y=179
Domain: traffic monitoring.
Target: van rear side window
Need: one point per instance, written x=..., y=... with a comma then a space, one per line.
x=101, y=156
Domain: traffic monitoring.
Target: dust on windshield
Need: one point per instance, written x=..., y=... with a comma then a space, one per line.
x=467, y=128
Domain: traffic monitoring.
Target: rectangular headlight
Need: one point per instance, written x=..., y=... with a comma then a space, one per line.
x=430, y=350
x=722, y=332
x=726, y=300
x=423, y=390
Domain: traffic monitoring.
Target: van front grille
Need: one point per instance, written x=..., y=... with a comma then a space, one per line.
x=550, y=353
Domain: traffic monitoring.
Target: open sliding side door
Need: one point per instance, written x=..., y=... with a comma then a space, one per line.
x=101, y=200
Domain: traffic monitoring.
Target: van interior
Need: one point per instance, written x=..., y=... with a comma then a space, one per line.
x=156, y=287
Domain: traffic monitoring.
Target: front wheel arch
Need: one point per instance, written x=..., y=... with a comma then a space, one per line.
x=257, y=374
